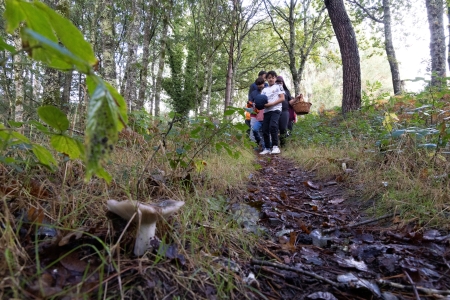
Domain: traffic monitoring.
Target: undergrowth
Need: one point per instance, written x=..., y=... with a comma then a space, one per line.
x=51, y=222
x=393, y=154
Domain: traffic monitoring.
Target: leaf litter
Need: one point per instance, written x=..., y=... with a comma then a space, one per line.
x=339, y=252
x=314, y=244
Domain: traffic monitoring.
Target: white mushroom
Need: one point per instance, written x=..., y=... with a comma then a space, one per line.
x=146, y=217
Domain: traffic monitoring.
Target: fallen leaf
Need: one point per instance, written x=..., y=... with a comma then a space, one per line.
x=336, y=201
x=310, y=184
x=35, y=215
x=321, y=296
x=72, y=236
x=283, y=195
x=73, y=263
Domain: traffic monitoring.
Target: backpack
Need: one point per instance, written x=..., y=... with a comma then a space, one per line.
x=260, y=100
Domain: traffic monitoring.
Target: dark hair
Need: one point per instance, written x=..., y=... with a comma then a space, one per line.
x=272, y=73
x=259, y=81
x=261, y=73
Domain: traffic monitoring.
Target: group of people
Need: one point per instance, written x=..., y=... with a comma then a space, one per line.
x=277, y=115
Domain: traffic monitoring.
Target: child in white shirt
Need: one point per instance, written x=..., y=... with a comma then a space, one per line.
x=272, y=112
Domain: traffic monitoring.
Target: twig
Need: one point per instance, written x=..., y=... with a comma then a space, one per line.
x=409, y=288
x=358, y=224
x=284, y=267
x=413, y=285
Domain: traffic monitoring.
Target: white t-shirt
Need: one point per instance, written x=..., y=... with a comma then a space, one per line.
x=272, y=93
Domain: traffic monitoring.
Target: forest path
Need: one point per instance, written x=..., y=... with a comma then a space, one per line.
x=322, y=245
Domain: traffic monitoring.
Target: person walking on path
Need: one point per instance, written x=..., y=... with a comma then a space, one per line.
x=258, y=115
x=262, y=74
x=284, y=116
x=272, y=112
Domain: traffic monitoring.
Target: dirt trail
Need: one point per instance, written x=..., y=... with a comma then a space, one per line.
x=315, y=248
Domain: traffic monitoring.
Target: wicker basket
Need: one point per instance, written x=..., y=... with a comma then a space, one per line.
x=300, y=106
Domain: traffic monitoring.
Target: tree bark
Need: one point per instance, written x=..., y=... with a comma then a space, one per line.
x=108, y=66
x=148, y=35
x=65, y=99
x=16, y=105
x=130, y=80
x=389, y=46
x=351, y=98
x=162, y=60
x=435, y=12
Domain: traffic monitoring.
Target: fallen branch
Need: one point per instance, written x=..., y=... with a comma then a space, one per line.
x=411, y=288
x=284, y=267
x=413, y=285
x=358, y=224
x=312, y=213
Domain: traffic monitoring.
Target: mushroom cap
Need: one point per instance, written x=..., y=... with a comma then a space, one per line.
x=150, y=212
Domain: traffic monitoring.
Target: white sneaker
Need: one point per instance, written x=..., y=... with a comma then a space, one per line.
x=265, y=151
x=275, y=150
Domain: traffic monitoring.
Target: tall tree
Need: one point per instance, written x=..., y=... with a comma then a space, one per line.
x=380, y=12
x=310, y=16
x=17, y=100
x=149, y=17
x=108, y=63
x=129, y=83
x=351, y=98
x=435, y=13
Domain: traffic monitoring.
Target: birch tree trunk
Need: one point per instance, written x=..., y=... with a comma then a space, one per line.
x=17, y=100
x=162, y=59
x=130, y=80
x=148, y=35
x=108, y=66
x=435, y=12
x=389, y=46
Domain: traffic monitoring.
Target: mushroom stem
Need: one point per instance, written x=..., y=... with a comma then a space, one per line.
x=145, y=233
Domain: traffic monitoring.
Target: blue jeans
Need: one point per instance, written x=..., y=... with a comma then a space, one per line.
x=256, y=128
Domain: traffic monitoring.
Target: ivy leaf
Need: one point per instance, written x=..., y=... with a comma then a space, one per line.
x=54, y=117
x=67, y=145
x=44, y=156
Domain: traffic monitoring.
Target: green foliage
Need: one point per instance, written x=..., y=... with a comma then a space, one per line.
x=53, y=40
x=181, y=85
x=203, y=135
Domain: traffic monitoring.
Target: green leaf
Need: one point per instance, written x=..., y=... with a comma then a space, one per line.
x=69, y=35
x=39, y=126
x=5, y=46
x=15, y=124
x=52, y=54
x=13, y=15
x=66, y=145
x=54, y=117
x=44, y=156
x=241, y=126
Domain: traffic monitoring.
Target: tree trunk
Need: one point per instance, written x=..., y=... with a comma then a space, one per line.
x=16, y=102
x=351, y=98
x=390, y=52
x=448, y=16
x=148, y=35
x=435, y=12
x=162, y=60
x=51, y=94
x=108, y=66
x=229, y=75
x=131, y=72
x=65, y=100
